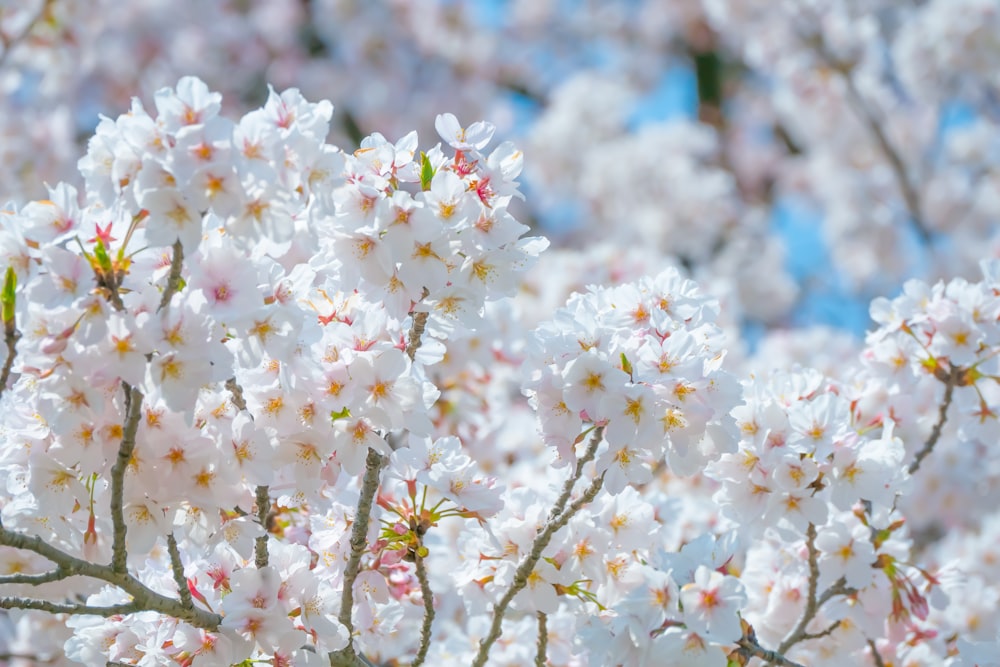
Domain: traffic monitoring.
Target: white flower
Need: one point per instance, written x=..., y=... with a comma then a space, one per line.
x=712, y=603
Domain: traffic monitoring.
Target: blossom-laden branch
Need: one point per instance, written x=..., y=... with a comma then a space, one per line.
x=558, y=517
x=428, y=620
x=143, y=597
x=359, y=542
x=950, y=381
x=542, y=643
x=133, y=412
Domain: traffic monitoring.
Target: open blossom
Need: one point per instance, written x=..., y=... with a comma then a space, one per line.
x=846, y=552
x=712, y=603
x=254, y=611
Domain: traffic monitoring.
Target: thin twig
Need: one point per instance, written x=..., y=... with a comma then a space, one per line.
x=839, y=587
x=174, y=278
x=133, y=413
x=236, y=392
x=417, y=330
x=263, y=500
x=909, y=192
x=587, y=457
x=5, y=657
x=876, y=656
x=542, y=643
x=949, y=389
x=812, y=605
x=527, y=566
x=756, y=650
x=10, y=338
x=177, y=569
x=57, y=574
x=66, y=608
x=824, y=633
x=428, y=620
x=557, y=514
x=359, y=542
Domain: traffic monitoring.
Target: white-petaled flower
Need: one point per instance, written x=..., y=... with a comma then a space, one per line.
x=254, y=611
x=624, y=465
x=589, y=379
x=690, y=648
x=712, y=603
x=477, y=136
x=632, y=415
x=872, y=471
x=846, y=552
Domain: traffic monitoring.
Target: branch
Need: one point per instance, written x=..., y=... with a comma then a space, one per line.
x=4, y=657
x=10, y=338
x=527, y=566
x=76, y=609
x=417, y=330
x=236, y=391
x=750, y=646
x=542, y=643
x=876, y=656
x=812, y=605
x=260, y=544
x=906, y=188
x=949, y=389
x=359, y=541
x=144, y=598
x=587, y=457
x=819, y=635
x=425, y=626
x=133, y=413
x=174, y=279
x=839, y=587
x=177, y=569
x=57, y=574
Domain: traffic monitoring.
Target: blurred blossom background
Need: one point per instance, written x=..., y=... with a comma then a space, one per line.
x=795, y=158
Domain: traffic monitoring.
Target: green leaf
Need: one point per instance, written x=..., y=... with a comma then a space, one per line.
x=426, y=172
x=8, y=297
x=334, y=415
x=101, y=253
x=626, y=365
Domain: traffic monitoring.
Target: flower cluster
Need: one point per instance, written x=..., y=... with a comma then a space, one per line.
x=644, y=362
x=236, y=313
x=265, y=400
